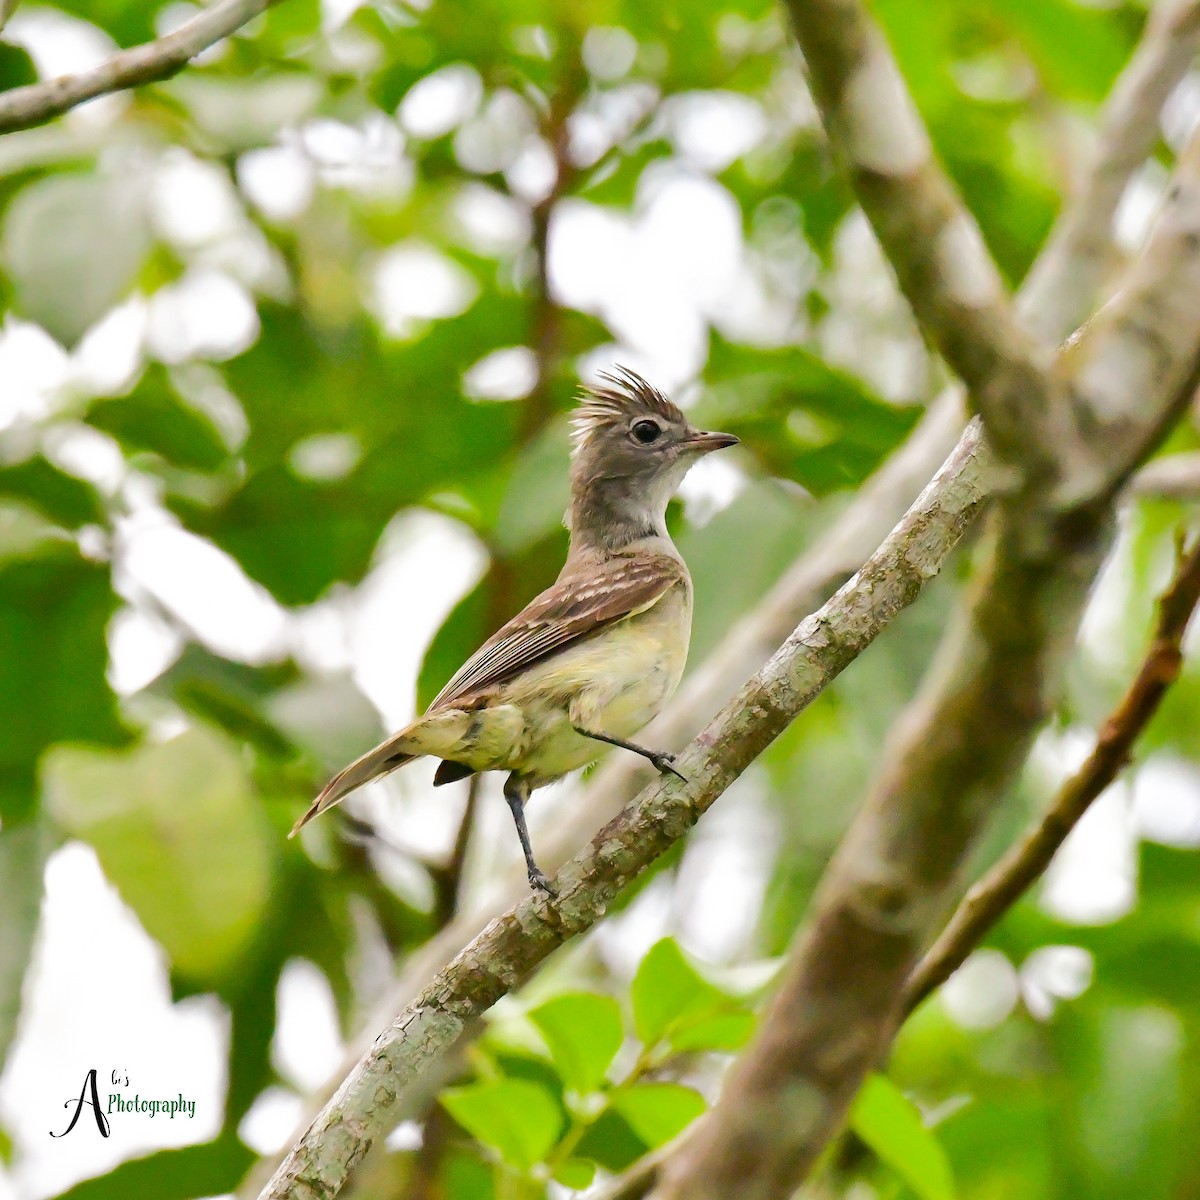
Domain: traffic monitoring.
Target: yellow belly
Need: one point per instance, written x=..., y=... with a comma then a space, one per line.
x=614, y=683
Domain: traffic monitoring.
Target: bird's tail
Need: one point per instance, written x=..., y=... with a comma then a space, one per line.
x=382, y=760
x=443, y=732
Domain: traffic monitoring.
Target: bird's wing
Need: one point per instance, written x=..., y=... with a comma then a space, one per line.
x=573, y=608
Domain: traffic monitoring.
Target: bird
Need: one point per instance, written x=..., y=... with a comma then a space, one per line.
x=592, y=659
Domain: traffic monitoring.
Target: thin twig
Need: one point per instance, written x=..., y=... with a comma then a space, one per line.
x=1023, y=864
x=23, y=107
x=547, y=315
x=7, y=8
x=1174, y=477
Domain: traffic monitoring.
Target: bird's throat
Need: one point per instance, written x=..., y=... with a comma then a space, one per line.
x=609, y=514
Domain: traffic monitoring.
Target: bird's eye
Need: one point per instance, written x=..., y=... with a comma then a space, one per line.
x=646, y=432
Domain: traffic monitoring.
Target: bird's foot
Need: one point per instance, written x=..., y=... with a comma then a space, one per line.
x=666, y=764
x=539, y=883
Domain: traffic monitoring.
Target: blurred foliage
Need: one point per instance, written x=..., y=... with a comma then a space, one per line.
x=258, y=305
x=565, y=1109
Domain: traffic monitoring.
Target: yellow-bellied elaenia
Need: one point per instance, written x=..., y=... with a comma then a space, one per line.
x=594, y=657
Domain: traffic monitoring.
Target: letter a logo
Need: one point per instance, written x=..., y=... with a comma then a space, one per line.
x=101, y=1119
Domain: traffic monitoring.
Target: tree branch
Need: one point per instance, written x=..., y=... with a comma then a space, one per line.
x=1176, y=477
x=1062, y=286
x=961, y=742
x=932, y=241
x=507, y=952
x=989, y=899
x=23, y=107
x=1131, y=372
x=836, y=554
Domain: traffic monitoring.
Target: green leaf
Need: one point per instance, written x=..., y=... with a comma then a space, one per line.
x=538, y=492
x=126, y=21
x=16, y=67
x=583, y=1031
x=804, y=419
x=154, y=417
x=210, y=1169
x=54, y=611
x=24, y=846
x=670, y=994
x=294, y=537
x=456, y=639
x=25, y=533
x=465, y=1177
x=230, y=695
x=518, y=1119
x=724, y=1031
x=178, y=831
x=1098, y=49
x=61, y=497
x=58, y=223
x=891, y=1125
x=611, y=1142
x=576, y=1173
x=657, y=1112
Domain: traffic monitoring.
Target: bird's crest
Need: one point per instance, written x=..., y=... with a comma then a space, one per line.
x=620, y=395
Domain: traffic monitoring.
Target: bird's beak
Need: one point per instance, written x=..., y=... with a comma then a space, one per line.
x=702, y=443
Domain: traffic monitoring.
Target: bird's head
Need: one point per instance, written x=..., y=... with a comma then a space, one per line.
x=633, y=446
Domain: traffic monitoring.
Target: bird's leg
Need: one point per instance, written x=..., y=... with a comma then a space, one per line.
x=516, y=792
x=660, y=758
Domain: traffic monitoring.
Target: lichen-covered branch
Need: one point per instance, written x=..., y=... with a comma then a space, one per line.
x=961, y=742
x=506, y=953
x=1024, y=863
x=23, y=107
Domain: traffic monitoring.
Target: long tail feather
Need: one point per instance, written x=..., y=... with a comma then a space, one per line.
x=381, y=761
x=440, y=733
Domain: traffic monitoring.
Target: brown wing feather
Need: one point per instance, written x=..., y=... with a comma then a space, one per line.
x=573, y=608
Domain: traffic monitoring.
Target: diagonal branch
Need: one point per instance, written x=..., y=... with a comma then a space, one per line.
x=1174, y=476
x=961, y=742
x=505, y=954
x=989, y=899
x=839, y=551
x=843, y=546
x=23, y=107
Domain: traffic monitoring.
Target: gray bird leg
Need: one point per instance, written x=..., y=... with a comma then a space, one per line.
x=516, y=792
x=660, y=758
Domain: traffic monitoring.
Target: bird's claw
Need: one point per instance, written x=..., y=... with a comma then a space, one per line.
x=539, y=883
x=666, y=763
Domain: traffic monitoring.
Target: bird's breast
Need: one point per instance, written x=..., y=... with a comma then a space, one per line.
x=614, y=682
x=646, y=657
